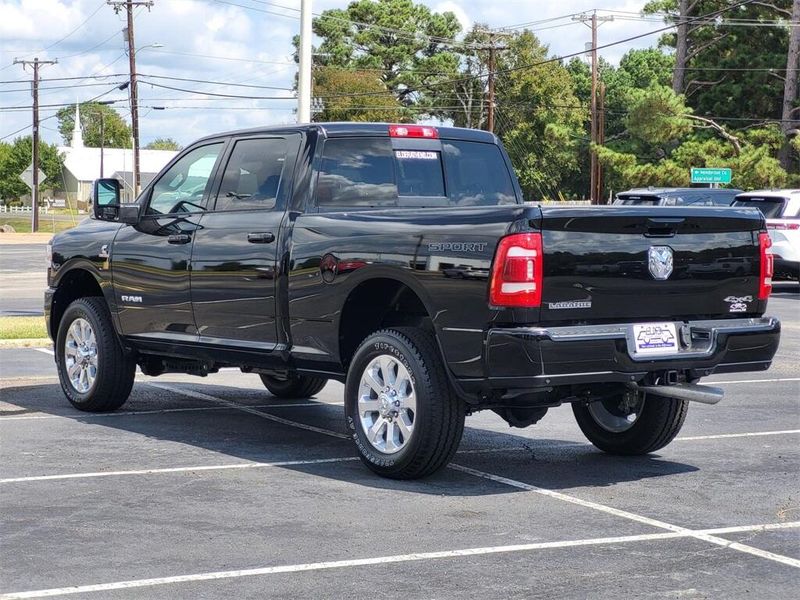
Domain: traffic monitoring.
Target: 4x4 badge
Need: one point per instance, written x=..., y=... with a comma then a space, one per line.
x=659, y=260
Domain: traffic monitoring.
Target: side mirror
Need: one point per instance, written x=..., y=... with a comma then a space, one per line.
x=105, y=199
x=107, y=205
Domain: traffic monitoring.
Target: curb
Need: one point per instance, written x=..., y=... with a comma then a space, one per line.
x=27, y=343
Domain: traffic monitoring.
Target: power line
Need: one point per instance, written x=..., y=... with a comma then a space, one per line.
x=247, y=85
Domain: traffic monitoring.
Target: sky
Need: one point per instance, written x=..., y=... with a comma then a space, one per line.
x=232, y=41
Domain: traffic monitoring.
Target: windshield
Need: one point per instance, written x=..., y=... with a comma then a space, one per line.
x=771, y=208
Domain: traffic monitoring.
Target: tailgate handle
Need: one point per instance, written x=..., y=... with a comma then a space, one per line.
x=662, y=227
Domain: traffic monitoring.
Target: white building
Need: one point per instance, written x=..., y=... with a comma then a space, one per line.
x=82, y=166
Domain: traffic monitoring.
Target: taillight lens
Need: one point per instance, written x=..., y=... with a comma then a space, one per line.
x=767, y=266
x=517, y=271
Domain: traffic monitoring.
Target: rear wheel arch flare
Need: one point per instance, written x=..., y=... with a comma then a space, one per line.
x=377, y=303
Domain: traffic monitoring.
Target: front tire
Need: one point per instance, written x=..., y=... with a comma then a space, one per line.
x=631, y=424
x=401, y=411
x=95, y=373
x=294, y=386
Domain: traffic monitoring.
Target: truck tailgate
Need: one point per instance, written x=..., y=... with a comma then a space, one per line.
x=620, y=264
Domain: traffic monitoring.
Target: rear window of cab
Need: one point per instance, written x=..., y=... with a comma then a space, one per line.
x=369, y=172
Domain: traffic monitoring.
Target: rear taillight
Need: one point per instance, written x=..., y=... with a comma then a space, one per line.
x=767, y=266
x=517, y=271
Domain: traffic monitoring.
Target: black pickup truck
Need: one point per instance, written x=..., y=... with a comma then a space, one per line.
x=401, y=260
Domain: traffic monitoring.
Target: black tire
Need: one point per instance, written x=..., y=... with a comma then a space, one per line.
x=659, y=421
x=438, y=416
x=293, y=387
x=115, y=370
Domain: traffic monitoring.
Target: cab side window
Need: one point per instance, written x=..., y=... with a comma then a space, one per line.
x=183, y=188
x=253, y=174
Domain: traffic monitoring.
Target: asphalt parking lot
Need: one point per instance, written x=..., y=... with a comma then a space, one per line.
x=211, y=488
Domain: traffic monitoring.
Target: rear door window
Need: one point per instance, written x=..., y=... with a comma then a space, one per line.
x=253, y=174
x=771, y=208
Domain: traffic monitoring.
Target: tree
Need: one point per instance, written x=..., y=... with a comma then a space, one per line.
x=116, y=133
x=664, y=140
x=730, y=70
x=538, y=117
x=790, y=109
x=163, y=144
x=348, y=95
x=406, y=45
x=15, y=158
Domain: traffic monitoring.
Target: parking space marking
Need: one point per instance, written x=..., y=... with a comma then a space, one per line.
x=792, y=562
x=247, y=465
x=128, y=413
x=382, y=560
x=722, y=436
x=734, y=382
x=258, y=413
x=45, y=351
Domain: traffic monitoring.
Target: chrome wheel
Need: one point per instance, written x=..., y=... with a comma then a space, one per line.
x=387, y=404
x=80, y=355
x=617, y=414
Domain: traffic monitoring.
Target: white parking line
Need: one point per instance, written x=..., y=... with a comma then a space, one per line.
x=128, y=413
x=258, y=413
x=383, y=560
x=45, y=351
x=248, y=465
x=792, y=562
x=722, y=436
x=738, y=381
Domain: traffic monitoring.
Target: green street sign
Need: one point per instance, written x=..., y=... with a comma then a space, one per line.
x=711, y=175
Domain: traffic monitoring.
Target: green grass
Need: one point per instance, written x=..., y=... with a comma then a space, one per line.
x=23, y=224
x=20, y=328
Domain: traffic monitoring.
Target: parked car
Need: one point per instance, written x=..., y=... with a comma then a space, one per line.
x=781, y=208
x=328, y=251
x=676, y=197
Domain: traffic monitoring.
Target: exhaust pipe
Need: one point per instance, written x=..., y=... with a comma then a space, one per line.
x=693, y=392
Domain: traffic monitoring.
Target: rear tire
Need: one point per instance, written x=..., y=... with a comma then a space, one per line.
x=404, y=417
x=294, y=386
x=617, y=428
x=95, y=373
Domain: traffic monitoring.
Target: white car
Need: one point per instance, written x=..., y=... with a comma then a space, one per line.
x=781, y=208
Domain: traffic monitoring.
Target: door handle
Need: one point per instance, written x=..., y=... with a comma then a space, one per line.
x=179, y=238
x=265, y=237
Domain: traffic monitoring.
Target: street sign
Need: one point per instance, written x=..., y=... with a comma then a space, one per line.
x=722, y=175
x=27, y=176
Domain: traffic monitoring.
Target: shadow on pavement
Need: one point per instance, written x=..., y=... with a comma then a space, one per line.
x=549, y=463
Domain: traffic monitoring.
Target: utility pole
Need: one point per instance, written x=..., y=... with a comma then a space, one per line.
x=35, y=63
x=490, y=80
x=595, y=22
x=304, y=76
x=129, y=5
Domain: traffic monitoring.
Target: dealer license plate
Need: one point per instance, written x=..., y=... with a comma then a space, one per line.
x=653, y=339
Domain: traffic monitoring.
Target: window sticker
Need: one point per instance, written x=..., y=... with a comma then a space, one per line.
x=417, y=154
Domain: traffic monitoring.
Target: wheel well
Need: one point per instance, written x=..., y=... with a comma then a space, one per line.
x=374, y=305
x=75, y=284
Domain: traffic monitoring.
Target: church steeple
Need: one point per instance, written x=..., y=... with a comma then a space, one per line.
x=77, y=132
